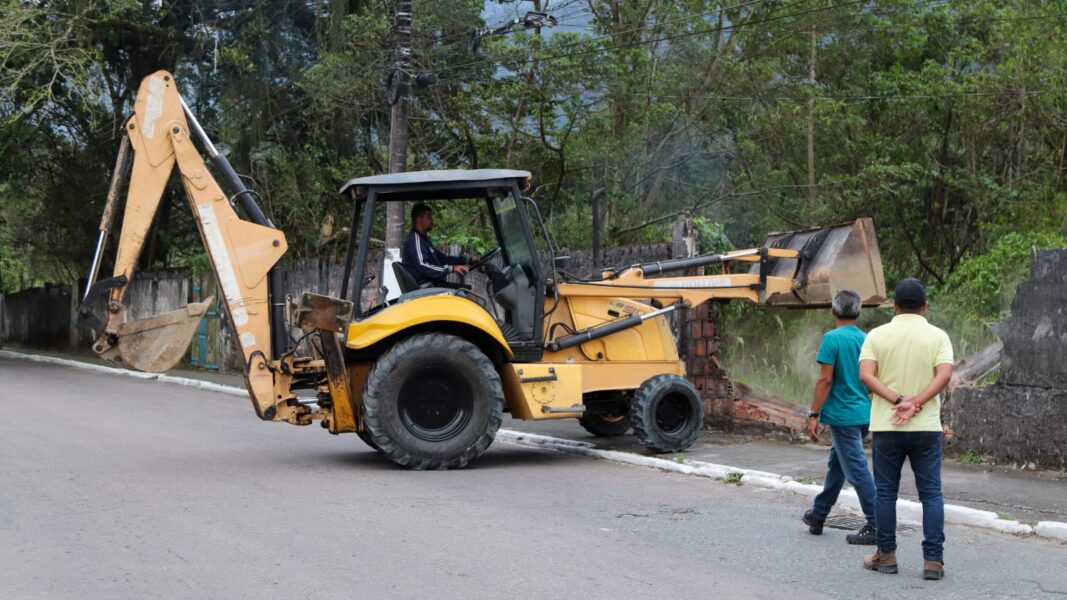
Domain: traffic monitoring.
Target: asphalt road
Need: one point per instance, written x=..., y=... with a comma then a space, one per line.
x=1024, y=495
x=112, y=487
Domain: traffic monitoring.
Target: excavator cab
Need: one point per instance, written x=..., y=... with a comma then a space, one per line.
x=513, y=296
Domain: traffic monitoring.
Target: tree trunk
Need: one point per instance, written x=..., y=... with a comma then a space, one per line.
x=812, y=192
x=398, y=139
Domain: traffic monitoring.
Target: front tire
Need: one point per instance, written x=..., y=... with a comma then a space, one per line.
x=433, y=401
x=667, y=413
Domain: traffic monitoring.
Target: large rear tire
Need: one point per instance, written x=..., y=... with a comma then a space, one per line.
x=433, y=401
x=605, y=425
x=667, y=413
x=365, y=436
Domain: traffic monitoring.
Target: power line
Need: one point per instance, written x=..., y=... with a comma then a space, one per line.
x=845, y=98
x=464, y=37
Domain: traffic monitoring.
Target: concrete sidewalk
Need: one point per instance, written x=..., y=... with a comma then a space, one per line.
x=1026, y=496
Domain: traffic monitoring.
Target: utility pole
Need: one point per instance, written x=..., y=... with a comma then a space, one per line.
x=398, y=92
x=812, y=192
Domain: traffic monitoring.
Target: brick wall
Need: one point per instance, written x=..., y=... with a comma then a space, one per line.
x=701, y=355
x=730, y=405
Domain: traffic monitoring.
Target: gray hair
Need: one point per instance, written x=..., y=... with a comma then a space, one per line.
x=847, y=304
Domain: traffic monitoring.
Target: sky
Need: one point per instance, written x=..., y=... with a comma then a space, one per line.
x=573, y=15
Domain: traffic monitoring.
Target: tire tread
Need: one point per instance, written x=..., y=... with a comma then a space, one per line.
x=643, y=420
x=385, y=367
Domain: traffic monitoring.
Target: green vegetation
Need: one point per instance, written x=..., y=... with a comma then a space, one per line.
x=972, y=458
x=943, y=121
x=990, y=379
x=732, y=478
x=984, y=284
x=806, y=480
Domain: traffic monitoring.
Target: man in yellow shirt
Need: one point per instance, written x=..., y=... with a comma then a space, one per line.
x=905, y=364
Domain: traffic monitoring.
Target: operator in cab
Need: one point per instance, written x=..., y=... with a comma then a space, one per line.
x=426, y=263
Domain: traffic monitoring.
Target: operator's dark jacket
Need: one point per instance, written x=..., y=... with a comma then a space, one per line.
x=424, y=262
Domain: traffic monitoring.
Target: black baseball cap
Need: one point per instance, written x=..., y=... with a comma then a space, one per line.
x=910, y=293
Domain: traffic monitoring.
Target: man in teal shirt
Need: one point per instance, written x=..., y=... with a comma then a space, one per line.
x=843, y=402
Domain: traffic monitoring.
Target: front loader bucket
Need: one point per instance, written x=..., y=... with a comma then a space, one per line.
x=157, y=343
x=831, y=259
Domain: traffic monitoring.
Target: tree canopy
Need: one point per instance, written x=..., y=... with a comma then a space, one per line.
x=945, y=121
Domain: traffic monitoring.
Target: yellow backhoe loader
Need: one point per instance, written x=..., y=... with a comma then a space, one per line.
x=425, y=378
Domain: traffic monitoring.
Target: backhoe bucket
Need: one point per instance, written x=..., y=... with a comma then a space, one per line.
x=831, y=259
x=157, y=343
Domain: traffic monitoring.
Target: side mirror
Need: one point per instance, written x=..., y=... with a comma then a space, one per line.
x=562, y=263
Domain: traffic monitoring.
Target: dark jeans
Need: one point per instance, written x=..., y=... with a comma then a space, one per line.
x=923, y=450
x=847, y=462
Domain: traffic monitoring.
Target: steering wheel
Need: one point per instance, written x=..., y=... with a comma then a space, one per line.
x=481, y=261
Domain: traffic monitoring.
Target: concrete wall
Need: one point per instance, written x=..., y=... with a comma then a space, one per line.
x=1010, y=424
x=1022, y=419
x=1035, y=334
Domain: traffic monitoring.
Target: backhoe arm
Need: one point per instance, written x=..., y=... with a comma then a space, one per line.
x=241, y=253
x=797, y=268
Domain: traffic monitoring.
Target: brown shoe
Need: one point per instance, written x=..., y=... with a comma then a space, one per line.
x=883, y=562
x=933, y=569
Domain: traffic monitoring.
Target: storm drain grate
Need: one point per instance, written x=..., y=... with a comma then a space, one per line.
x=852, y=523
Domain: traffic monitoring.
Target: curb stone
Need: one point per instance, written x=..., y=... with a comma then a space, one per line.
x=1052, y=529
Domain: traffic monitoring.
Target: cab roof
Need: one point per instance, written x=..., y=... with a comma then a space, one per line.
x=437, y=184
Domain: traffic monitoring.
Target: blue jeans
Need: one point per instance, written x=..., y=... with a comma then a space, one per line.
x=847, y=462
x=923, y=450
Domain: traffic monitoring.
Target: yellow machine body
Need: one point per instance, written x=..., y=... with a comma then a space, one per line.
x=440, y=311
x=543, y=390
x=621, y=361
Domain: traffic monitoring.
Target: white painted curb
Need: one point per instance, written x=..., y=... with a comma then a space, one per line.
x=197, y=383
x=1052, y=529
x=907, y=510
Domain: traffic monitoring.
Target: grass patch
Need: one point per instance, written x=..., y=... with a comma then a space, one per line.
x=734, y=478
x=680, y=458
x=774, y=351
x=806, y=480
x=991, y=378
x=972, y=458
